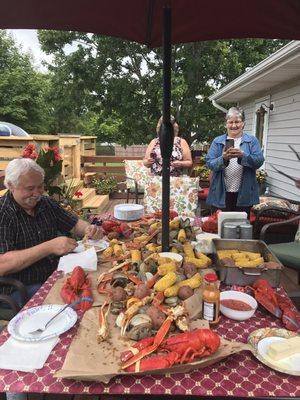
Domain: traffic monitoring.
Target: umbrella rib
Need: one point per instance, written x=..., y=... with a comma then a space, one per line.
x=149, y=22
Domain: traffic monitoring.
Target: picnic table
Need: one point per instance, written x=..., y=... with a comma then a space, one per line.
x=240, y=375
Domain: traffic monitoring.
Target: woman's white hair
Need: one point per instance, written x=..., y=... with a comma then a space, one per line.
x=20, y=166
x=235, y=112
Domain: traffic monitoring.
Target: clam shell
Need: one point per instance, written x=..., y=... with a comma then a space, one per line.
x=140, y=319
x=171, y=301
x=119, y=319
x=140, y=332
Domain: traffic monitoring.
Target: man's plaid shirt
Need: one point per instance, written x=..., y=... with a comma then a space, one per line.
x=19, y=230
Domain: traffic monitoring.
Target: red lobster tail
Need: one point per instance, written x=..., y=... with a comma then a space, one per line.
x=154, y=362
x=77, y=287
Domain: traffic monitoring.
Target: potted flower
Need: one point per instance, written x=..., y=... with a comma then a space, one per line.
x=51, y=162
x=203, y=173
x=261, y=178
x=105, y=184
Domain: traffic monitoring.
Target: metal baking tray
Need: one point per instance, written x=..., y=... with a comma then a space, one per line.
x=246, y=276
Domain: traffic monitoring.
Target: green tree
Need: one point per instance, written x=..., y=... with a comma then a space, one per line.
x=113, y=88
x=22, y=89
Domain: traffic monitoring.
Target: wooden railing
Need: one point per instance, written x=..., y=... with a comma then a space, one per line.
x=106, y=165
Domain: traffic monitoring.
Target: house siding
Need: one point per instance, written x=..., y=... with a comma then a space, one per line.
x=283, y=129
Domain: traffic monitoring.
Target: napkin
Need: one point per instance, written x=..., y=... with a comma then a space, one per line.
x=25, y=356
x=86, y=259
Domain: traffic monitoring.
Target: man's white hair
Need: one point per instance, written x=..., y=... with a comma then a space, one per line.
x=20, y=166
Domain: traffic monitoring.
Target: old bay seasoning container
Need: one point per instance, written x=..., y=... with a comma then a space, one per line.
x=211, y=299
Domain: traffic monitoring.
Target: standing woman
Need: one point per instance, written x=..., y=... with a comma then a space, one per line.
x=181, y=154
x=233, y=185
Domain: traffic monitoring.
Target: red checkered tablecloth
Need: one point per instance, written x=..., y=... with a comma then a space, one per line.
x=240, y=375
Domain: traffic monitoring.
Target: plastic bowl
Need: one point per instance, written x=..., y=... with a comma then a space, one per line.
x=235, y=314
x=174, y=256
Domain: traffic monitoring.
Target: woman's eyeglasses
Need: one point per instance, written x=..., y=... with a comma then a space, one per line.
x=234, y=122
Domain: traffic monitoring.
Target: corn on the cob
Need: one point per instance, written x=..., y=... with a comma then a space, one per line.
x=117, y=250
x=250, y=263
x=141, y=238
x=165, y=282
x=198, y=262
x=193, y=282
x=174, y=224
x=155, y=226
x=136, y=257
x=181, y=236
x=163, y=260
x=188, y=250
x=166, y=268
x=108, y=252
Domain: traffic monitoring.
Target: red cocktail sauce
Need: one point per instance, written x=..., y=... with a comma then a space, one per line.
x=237, y=305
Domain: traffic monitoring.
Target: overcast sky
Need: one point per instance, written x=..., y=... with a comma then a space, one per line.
x=27, y=38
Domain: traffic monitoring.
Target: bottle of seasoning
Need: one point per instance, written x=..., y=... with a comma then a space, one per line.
x=211, y=299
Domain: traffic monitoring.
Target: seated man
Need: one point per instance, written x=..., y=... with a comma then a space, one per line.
x=29, y=225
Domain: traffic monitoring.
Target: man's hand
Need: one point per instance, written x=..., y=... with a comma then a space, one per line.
x=93, y=232
x=62, y=245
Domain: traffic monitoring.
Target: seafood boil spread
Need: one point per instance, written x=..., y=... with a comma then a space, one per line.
x=147, y=294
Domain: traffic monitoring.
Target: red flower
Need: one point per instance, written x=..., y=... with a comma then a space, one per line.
x=78, y=194
x=33, y=155
x=30, y=152
x=57, y=157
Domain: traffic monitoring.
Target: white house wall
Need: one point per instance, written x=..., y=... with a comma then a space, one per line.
x=283, y=129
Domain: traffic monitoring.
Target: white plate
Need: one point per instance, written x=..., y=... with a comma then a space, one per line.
x=99, y=245
x=288, y=364
x=31, y=318
x=262, y=338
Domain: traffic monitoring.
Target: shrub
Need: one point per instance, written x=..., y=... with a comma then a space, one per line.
x=105, y=184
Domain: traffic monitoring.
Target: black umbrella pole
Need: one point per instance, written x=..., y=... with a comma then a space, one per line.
x=166, y=134
x=165, y=204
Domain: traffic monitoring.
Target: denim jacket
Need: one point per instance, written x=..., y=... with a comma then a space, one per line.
x=251, y=161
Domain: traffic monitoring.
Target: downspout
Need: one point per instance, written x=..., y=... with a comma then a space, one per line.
x=215, y=104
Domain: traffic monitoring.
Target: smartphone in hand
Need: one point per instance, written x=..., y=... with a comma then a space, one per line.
x=229, y=143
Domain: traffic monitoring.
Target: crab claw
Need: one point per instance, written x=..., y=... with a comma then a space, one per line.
x=103, y=325
x=159, y=337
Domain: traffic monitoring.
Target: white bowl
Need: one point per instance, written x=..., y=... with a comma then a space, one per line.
x=128, y=212
x=235, y=314
x=174, y=256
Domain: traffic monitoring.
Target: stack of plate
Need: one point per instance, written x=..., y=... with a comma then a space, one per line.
x=128, y=212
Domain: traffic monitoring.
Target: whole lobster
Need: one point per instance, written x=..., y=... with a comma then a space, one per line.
x=276, y=304
x=77, y=286
x=177, y=349
x=120, y=228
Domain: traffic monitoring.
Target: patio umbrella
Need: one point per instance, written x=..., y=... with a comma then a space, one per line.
x=8, y=129
x=156, y=23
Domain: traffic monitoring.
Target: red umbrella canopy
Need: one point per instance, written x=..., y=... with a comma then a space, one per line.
x=141, y=20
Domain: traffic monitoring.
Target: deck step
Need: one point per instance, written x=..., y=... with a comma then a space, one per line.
x=97, y=203
x=87, y=195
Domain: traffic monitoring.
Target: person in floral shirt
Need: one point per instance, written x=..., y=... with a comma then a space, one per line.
x=181, y=157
